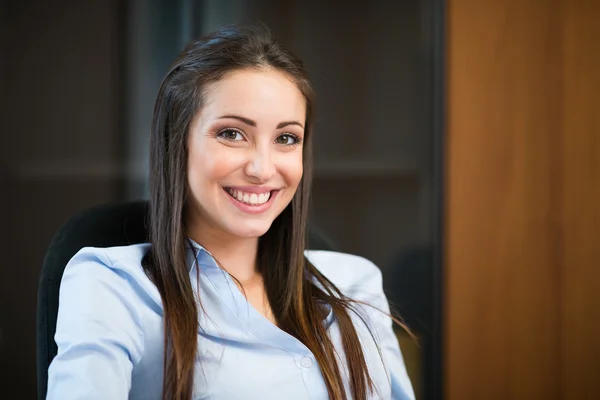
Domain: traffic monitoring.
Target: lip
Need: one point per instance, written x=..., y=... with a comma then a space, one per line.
x=253, y=189
x=258, y=209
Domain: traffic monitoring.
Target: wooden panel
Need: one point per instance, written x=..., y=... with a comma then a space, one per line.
x=523, y=200
x=503, y=199
x=581, y=199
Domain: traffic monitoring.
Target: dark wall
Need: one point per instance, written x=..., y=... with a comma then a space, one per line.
x=76, y=74
x=59, y=152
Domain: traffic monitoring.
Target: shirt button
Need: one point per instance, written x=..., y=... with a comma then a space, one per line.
x=306, y=362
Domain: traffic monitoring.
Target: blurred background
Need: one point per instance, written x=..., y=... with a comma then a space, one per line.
x=456, y=146
x=81, y=78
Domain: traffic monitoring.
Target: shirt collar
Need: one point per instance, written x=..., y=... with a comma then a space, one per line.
x=198, y=255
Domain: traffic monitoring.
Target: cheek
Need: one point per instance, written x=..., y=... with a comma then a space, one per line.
x=294, y=171
x=211, y=167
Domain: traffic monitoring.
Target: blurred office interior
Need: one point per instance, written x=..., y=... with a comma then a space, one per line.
x=456, y=147
x=82, y=78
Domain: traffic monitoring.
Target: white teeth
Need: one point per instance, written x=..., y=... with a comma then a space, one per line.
x=249, y=198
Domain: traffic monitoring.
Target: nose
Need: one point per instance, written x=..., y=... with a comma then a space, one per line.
x=260, y=165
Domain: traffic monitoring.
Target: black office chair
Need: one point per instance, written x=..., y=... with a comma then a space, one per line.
x=118, y=224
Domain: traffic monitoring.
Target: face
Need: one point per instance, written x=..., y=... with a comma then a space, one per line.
x=245, y=153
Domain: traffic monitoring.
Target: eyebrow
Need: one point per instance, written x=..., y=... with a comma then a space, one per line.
x=250, y=122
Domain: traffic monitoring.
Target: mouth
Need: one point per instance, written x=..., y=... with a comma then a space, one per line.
x=251, y=202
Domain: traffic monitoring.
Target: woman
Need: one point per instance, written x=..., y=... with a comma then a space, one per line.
x=224, y=302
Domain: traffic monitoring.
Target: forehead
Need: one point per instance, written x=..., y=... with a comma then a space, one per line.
x=264, y=93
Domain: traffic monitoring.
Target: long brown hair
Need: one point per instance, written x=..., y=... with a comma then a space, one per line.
x=287, y=274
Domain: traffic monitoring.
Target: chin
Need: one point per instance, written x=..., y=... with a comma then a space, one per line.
x=251, y=231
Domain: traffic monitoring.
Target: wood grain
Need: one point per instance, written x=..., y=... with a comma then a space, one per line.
x=581, y=199
x=522, y=269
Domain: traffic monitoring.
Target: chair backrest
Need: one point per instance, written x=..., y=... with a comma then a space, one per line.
x=118, y=224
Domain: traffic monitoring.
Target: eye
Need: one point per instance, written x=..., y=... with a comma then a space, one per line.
x=287, y=139
x=231, y=135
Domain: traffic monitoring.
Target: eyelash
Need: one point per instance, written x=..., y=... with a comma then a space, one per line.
x=297, y=140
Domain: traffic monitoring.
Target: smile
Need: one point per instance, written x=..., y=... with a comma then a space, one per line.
x=252, y=201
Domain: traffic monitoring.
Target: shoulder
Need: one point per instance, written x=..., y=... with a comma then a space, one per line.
x=96, y=266
x=125, y=258
x=355, y=276
x=113, y=255
x=100, y=303
x=98, y=280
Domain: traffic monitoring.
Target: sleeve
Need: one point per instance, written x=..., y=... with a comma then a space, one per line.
x=98, y=332
x=392, y=356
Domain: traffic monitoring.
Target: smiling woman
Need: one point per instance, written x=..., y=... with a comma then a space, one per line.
x=225, y=301
x=252, y=155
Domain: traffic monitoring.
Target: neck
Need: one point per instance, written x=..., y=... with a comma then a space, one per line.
x=236, y=255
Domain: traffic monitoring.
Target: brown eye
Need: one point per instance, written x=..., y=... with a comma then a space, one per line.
x=231, y=134
x=287, y=139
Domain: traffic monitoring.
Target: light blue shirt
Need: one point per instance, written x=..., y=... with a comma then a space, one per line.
x=110, y=333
